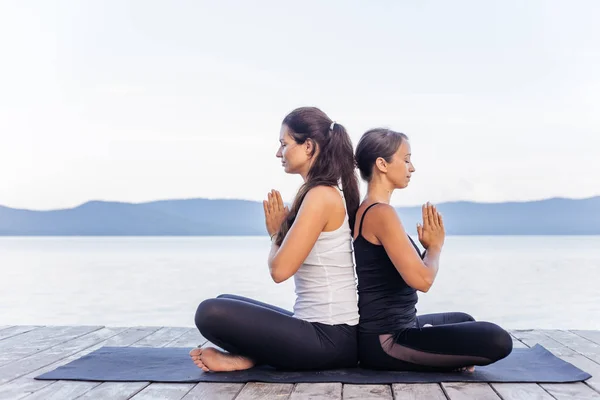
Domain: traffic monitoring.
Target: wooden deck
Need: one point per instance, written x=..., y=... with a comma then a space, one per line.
x=27, y=351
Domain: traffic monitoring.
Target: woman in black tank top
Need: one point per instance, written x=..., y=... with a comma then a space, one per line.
x=391, y=268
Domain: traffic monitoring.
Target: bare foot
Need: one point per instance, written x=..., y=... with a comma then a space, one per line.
x=195, y=354
x=466, y=369
x=216, y=360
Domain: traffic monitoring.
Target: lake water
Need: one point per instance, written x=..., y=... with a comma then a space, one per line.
x=517, y=282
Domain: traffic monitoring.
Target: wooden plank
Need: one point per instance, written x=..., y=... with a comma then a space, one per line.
x=570, y=391
x=21, y=387
x=10, y=331
x=214, y=391
x=260, y=390
x=517, y=344
x=39, y=337
x=594, y=336
x=21, y=346
x=575, y=342
x=126, y=390
x=164, y=391
x=191, y=338
x=124, y=338
x=30, y=363
x=115, y=390
x=162, y=336
x=531, y=337
x=521, y=391
x=417, y=391
x=587, y=363
x=313, y=391
x=464, y=391
x=367, y=392
x=63, y=390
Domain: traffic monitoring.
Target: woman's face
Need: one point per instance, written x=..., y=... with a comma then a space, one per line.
x=294, y=157
x=401, y=168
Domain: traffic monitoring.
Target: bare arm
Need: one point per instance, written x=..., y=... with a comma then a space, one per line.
x=311, y=220
x=387, y=227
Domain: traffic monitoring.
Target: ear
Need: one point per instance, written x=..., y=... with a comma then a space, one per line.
x=381, y=164
x=309, y=146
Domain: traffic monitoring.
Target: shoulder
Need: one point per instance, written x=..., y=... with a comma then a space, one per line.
x=380, y=216
x=324, y=196
x=382, y=210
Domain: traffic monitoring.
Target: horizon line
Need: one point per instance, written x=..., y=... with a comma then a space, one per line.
x=260, y=201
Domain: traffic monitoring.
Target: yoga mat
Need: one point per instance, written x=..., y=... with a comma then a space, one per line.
x=173, y=364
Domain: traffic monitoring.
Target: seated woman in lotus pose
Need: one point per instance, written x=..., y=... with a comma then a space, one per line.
x=312, y=243
x=391, y=269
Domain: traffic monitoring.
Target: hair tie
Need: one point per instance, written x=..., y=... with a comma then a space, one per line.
x=332, y=125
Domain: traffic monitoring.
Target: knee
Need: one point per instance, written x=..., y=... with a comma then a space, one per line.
x=500, y=341
x=465, y=317
x=208, y=315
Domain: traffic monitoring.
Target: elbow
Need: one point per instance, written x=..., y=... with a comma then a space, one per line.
x=425, y=288
x=277, y=278
x=425, y=285
x=276, y=274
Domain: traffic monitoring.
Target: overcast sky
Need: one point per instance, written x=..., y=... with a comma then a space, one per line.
x=143, y=100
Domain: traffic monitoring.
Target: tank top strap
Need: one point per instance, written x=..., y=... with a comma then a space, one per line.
x=363, y=218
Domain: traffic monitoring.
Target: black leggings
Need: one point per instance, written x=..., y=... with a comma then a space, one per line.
x=271, y=335
x=455, y=340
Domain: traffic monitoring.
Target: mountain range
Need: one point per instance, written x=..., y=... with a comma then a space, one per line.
x=223, y=217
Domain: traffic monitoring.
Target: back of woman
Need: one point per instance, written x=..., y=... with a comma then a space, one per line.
x=325, y=283
x=391, y=269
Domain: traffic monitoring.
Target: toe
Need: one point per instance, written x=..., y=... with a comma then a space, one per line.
x=195, y=352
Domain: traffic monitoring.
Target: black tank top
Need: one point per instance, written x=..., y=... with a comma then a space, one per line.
x=386, y=303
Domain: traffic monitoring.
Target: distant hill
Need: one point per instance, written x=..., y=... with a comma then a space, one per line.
x=204, y=217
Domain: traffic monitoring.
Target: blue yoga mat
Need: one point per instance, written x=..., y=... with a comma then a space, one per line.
x=173, y=364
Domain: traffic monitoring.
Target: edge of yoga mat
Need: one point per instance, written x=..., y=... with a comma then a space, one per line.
x=172, y=365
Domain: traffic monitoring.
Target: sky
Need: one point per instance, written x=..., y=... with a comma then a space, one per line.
x=144, y=100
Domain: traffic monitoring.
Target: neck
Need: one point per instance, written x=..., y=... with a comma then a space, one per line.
x=304, y=176
x=379, y=192
x=304, y=173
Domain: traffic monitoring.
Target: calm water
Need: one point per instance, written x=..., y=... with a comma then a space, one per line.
x=518, y=282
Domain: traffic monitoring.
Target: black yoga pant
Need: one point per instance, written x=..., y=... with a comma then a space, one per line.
x=271, y=335
x=455, y=340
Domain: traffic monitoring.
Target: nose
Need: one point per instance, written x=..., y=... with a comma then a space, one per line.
x=278, y=154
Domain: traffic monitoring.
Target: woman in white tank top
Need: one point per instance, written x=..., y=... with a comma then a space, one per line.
x=311, y=242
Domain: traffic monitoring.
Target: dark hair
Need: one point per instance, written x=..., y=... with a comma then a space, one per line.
x=375, y=143
x=334, y=163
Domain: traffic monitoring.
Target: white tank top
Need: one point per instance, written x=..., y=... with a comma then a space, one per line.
x=326, y=282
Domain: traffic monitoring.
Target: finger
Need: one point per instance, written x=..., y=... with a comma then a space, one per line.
x=439, y=219
x=425, y=217
x=279, y=201
x=273, y=201
x=442, y=223
x=430, y=216
x=435, y=217
x=266, y=207
x=270, y=202
x=420, y=231
x=287, y=209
